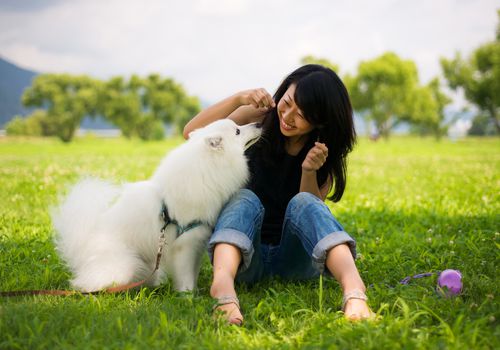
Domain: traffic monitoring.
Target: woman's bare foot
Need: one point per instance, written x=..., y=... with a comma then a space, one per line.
x=357, y=309
x=223, y=292
x=341, y=264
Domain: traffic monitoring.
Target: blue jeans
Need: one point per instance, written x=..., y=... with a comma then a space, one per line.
x=309, y=232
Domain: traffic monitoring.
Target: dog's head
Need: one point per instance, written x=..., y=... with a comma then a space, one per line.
x=223, y=134
x=199, y=176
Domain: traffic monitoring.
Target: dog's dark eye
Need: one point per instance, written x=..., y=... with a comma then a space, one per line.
x=237, y=131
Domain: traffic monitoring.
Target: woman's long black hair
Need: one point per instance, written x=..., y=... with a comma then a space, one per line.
x=325, y=103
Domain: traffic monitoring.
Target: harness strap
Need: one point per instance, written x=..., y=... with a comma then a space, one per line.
x=180, y=229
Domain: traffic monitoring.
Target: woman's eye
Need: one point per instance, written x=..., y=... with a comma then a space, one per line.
x=237, y=131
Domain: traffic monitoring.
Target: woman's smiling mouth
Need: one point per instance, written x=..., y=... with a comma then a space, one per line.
x=285, y=125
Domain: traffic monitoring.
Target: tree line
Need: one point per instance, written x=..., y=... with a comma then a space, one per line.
x=139, y=107
x=385, y=91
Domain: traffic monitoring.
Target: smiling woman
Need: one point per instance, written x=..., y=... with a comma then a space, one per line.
x=292, y=122
x=279, y=226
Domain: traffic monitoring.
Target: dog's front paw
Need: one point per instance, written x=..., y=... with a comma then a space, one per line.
x=185, y=286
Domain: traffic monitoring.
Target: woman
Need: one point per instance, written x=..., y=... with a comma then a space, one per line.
x=279, y=225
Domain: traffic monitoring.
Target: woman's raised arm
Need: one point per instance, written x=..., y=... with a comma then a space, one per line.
x=243, y=107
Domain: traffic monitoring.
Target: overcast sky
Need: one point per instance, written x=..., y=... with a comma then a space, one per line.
x=215, y=48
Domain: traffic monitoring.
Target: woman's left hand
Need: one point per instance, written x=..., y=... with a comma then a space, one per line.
x=316, y=157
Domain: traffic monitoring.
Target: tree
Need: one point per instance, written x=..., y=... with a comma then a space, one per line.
x=427, y=112
x=167, y=101
x=67, y=99
x=30, y=126
x=384, y=91
x=141, y=106
x=479, y=77
x=482, y=126
x=121, y=105
x=190, y=107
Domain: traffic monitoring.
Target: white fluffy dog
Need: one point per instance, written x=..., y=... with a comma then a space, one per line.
x=108, y=234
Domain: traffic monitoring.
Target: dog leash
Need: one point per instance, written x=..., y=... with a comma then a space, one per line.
x=111, y=290
x=407, y=280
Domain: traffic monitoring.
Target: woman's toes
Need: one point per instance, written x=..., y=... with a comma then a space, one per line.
x=231, y=313
x=357, y=309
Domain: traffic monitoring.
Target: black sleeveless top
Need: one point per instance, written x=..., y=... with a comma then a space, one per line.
x=275, y=184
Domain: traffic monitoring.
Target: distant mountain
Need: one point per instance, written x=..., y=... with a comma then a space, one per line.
x=13, y=81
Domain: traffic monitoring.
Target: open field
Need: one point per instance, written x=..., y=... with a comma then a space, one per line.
x=414, y=205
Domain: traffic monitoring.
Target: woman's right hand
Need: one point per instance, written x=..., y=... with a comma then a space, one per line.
x=243, y=107
x=258, y=98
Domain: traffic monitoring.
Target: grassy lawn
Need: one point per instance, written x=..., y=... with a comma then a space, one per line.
x=414, y=205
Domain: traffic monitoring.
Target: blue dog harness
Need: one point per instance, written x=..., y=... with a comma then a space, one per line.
x=180, y=229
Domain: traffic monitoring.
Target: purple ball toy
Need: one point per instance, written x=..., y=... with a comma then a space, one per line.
x=450, y=282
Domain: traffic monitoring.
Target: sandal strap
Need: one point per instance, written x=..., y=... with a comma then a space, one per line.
x=226, y=299
x=354, y=294
x=229, y=299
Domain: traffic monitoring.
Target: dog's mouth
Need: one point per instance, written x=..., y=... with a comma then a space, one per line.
x=251, y=142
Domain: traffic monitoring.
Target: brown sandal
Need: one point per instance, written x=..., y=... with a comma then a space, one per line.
x=225, y=300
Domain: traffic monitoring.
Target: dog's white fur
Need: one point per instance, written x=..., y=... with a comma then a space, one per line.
x=108, y=234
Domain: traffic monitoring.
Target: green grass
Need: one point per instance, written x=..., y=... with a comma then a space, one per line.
x=414, y=205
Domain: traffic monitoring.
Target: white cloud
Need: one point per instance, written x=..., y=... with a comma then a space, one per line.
x=217, y=47
x=48, y=62
x=220, y=7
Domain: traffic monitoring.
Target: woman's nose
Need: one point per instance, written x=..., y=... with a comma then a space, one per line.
x=287, y=117
x=285, y=113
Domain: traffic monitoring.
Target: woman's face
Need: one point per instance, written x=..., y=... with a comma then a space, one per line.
x=292, y=121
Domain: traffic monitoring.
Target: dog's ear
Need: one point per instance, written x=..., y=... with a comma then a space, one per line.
x=214, y=142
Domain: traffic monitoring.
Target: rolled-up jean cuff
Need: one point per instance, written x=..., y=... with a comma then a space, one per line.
x=328, y=242
x=235, y=238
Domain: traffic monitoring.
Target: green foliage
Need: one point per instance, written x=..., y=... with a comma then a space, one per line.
x=386, y=90
x=149, y=128
x=36, y=124
x=190, y=106
x=139, y=107
x=121, y=105
x=163, y=100
x=427, y=114
x=413, y=205
x=18, y=126
x=482, y=125
x=66, y=98
x=479, y=77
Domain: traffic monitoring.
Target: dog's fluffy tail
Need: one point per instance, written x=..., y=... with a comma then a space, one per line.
x=78, y=214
